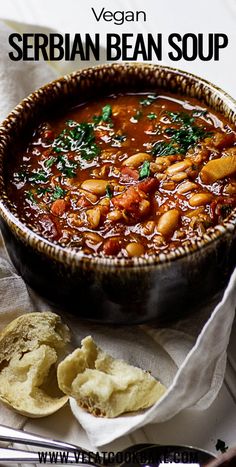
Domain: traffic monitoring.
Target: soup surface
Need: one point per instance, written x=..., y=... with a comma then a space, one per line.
x=127, y=175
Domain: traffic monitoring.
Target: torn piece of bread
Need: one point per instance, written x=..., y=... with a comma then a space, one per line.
x=30, y=348
x=104, y=386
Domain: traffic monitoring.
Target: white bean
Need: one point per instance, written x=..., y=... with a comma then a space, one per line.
x=93, y=217
x=95, y=186
x=178, y=167
x=168, y=222
x=114, y=216
x=135, y=249
x=137, y=159
x=179, y=177
x=186, y=186
x=200, y=199
x=90, y=196
x=144, y=206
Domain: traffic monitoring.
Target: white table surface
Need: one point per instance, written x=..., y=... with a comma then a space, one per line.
x=190, y=427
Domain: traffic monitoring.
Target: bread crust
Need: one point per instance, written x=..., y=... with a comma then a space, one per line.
x=31, y=347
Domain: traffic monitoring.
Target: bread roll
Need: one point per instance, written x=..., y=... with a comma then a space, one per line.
x=30, y=348
x=104, y=386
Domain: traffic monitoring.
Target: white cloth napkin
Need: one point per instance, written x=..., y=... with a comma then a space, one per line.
x=199, y=377
x=191, y=363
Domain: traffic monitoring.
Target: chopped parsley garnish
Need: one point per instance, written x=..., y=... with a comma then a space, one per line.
x=71, y=123
x=148, y=100
x=49, y=162
x=152, y=116
x=38, y=176
x=181, y=117
x=163, y=148
x=97, y=119
x=55, y=193
x=184, y=117
x=105, y=116
x=58, y=193
x=187, y=136
x=62, y=142
x=42, y=191
x=109, y=192
x=221, y=446
x=89, y=152
x=77, y=137
x=144, y=170
x=106, y=113
x=66, y=167
x=30, y=195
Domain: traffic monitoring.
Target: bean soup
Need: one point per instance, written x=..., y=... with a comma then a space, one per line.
x=127, y=175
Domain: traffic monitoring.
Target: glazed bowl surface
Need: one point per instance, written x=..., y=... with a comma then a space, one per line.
x=164, y=287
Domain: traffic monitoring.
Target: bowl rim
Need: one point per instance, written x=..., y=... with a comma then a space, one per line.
x=69, y=255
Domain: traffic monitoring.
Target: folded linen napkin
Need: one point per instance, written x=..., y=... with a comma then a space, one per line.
x=191, y=363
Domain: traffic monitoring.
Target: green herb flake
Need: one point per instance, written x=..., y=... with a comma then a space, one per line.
x=181, y=117
x=71, y=123
x=221, y=446
x=38, y=176
x=67, y=167
x=97, y=119
x=109, y=192
x=41, y=191
x=49, y=162
x=105, y=115
x=148, y=100
x=187, y=136
x=163, y=148
x=30, y=196
x=90, y=152
x=78, y=137
x=144, y=170
x=186, y=118
x=58, y=193
x=152, y=116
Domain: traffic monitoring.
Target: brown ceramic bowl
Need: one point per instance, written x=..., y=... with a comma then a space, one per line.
x=227, y=459
x=163, y=287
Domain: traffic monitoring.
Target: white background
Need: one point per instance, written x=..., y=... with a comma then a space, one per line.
x=163, y=16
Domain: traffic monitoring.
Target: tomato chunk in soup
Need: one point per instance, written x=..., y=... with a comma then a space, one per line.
x=127, y=175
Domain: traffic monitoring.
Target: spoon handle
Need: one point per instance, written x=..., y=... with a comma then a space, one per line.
x=18, y=456
x=23, y=437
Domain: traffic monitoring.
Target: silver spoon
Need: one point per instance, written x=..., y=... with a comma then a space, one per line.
x=23, y=437
x=18, y=455
x=85, y=457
